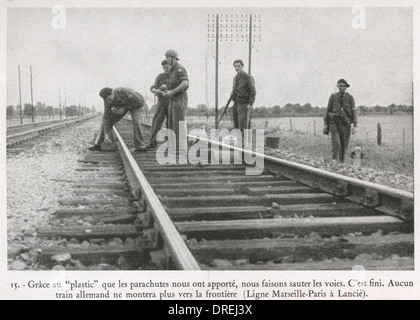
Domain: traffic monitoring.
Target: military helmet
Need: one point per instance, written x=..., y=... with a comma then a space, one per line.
x=172, y=53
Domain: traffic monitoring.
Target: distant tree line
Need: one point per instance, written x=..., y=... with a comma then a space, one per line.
x=44, y=111
x=298, y=110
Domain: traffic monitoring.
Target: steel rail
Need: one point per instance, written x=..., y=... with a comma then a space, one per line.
x=11, y=139
x=178, y=250
x=32, y=124
x=390, y=201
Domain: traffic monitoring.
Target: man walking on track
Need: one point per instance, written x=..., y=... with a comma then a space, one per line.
x=162, y=105
x=243, y=95
x=338, y=119
x=117, y=102
x=177, y=94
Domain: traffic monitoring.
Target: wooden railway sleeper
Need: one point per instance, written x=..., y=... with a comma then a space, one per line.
x=153, y=238
x=360, y=194
x=144, y=220
x=341, y=189
x=371, y=198
x=406, y=211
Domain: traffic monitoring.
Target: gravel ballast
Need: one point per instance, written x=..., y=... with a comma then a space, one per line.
x=390, y=179
x=36, y=179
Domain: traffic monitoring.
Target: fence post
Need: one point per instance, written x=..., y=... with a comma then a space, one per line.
x=291, y=125
x=314, y=128
x=357, y=160
x=403, y=137
x=379, y=134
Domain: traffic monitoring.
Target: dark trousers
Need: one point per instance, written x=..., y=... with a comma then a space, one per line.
x=340, y=138
x=160, y=115
x=241, y=117
x=176, y=113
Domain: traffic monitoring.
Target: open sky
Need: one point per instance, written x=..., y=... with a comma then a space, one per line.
x=301, y=55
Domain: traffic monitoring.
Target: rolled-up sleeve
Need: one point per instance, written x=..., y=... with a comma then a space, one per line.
x=156, y=84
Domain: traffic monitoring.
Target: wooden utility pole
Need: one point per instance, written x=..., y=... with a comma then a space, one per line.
x=207, y=93
x=216, y=100
x=32, y=97
x=59, y=102
x=65, y=102
x=250, y=44
x=20, y=98
x=231, y=27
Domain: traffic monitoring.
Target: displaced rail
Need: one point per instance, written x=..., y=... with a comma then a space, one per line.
x=142, y=214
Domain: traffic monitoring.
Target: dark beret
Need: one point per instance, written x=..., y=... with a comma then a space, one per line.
x=343, y=81
x=105, y=92
x=238, y=61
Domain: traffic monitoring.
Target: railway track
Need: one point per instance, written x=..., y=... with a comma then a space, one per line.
x=129, y=212
x=27, y=126
x=19, y=134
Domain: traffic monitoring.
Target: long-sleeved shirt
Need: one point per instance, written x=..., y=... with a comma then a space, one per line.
x=243, y=88
x=161, y=79
x=124, y=97
x=342, y=105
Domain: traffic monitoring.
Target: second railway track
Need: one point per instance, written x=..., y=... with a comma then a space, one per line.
x=145, y=215
x=21, y=134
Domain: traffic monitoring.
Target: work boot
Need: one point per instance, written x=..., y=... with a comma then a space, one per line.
x=95, y=148
x=151, y=147
x=141, y=149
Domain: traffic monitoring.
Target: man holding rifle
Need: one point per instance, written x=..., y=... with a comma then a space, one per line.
x=243, y=95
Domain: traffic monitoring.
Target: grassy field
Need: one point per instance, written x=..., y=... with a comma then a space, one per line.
x=396, y=153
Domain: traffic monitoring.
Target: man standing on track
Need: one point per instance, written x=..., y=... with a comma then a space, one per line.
x=177, y=94
x=243, y=95
x=338, y=119
x=117, y=102
x=163, y=102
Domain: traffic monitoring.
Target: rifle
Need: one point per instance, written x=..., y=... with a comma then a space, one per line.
x=224, y=111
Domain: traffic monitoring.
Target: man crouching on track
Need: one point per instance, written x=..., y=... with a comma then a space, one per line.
x=117, y=102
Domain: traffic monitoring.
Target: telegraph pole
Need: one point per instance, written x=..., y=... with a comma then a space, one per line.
x=20, y=98
x=412, y=94
x=65, y=102
x=216, y=101
x=207, y=93
x=59, y=102
x=233, y=26
x=32, y=97
x=250, y=44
